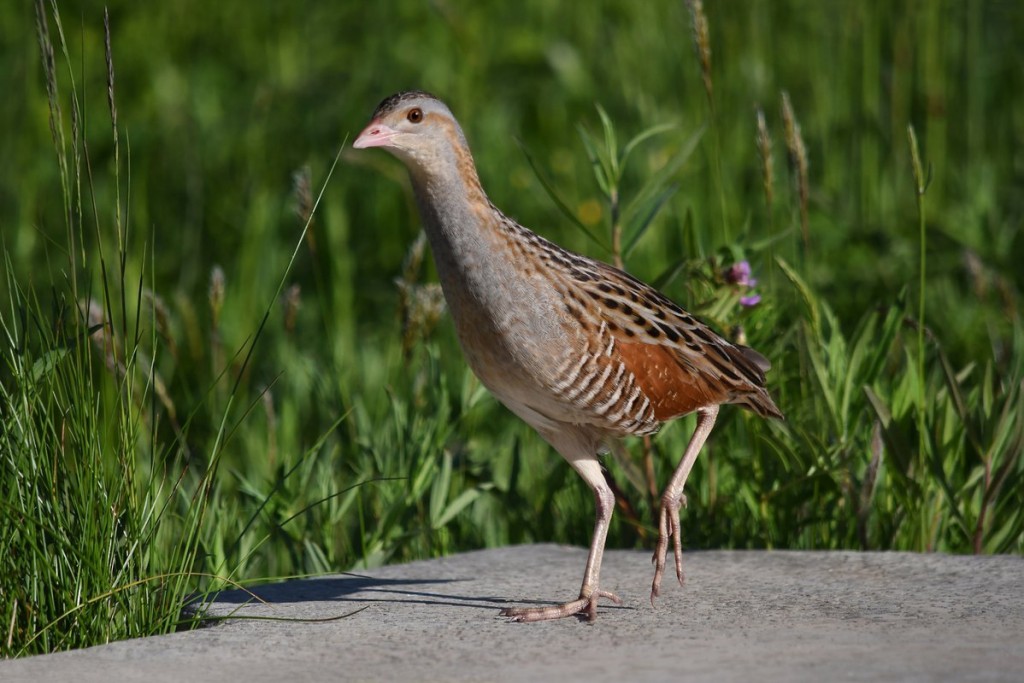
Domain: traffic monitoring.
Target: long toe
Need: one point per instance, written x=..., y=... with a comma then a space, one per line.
x=585, y=607
x=668, y=527
x=677, y=539
x=660, y=551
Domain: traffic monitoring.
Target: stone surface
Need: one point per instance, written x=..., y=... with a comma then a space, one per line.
x=742, y=616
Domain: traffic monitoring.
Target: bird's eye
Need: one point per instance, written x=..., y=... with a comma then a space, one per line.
x=415, y=115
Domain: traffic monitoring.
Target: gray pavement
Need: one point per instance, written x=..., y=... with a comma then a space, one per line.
x=742, y=616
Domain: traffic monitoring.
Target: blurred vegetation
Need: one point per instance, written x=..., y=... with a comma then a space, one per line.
x=204, y=379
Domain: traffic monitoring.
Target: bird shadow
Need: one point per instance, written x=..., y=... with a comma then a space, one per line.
x=358, y=588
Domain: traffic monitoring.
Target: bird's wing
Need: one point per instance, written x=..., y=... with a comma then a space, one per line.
x=680, y=363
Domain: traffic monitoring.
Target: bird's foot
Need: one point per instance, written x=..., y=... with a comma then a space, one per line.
x=668, y=525
x=583, y=606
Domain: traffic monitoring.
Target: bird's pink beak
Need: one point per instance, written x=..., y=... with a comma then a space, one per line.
x=375, y=135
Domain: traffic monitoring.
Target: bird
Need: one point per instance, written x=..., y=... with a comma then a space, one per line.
x=580, y=350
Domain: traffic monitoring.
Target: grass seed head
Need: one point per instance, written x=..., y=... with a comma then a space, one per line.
x=797, y=160
x=217, y=284
x=701, y=42
x=764, y=147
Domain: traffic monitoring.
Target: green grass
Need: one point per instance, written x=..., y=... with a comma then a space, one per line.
x=204, y=380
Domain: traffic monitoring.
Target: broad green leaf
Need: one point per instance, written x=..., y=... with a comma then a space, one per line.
x=459, y=504
x=599, y=165
x=439, y=491
x=611, y=145
x=810, y=301
x=643, y=136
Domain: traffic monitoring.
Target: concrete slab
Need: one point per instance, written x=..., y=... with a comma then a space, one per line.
x=742, y=616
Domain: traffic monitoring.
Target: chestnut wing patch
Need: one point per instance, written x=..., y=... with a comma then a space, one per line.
x=671, y=389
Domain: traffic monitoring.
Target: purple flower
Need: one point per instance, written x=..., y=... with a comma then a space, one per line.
x=738, y=274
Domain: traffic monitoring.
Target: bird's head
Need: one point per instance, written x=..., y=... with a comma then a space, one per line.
x=420, y=130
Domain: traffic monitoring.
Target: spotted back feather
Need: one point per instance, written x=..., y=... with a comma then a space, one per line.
x=652, y=360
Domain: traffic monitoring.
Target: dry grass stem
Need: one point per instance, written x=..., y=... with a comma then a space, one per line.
x=702, y=43
x=302, y=192
x=217, y=285
x=50, y=69
x=420, y=305
x=292, y=304
x=162, y=316
x=109, y=53
x=101, y=332
x=216, y=296
x=797, y=162
x=764, y=148
x=867, y=487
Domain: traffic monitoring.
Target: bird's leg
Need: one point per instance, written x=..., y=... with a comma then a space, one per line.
x=590, y=469
x=673, y=498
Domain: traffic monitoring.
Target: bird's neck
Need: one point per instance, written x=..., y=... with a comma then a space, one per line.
x=457, y=216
